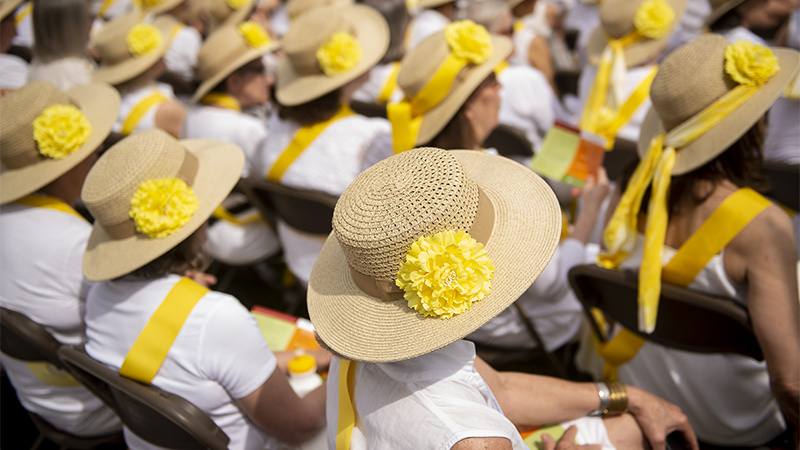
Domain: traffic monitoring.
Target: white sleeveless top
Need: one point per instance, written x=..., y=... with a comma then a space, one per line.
x=369, y=91
x=131, y=99
x=726, y=397
x=527, y=102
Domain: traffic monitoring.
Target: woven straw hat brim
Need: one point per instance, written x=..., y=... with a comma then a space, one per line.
x=731, y=128
x=217, y=78
x=234, y=18
x=100, y=104
x=437, y=118
x=372, y=34
x=525, y=236
x=164, y=6
x=721, y=11
x=423, y=4
x=135, y=66
x=220, y=166
x=513, y=3
x=8, y=7
x=639, y=52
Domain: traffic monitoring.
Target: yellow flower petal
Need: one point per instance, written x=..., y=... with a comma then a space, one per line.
x=339, y=55
x=162, y=206
x=143, y=39
x=236, y=4
x=61, y=130
x=654, y=19
x=469, y=40
x=255, y=36
x=750, y=64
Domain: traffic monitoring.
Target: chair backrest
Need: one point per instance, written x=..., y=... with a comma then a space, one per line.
x=155, y=415
x=307, y=211
x=509, y=141
x=615, y=161
x=368, y=109
x=785, y=179
x=24, y=339
x=687, y=320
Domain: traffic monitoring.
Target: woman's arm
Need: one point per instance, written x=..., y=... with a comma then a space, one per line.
x=539, y=57
x=169, y=117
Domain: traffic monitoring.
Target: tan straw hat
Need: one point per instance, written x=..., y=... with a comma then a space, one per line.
x=414, y=195
x=8, y=6
x=228, y=49
x=421, y=65
x=118, y=244
x=229, y=12
x=25, y=168
x=425, y=4
x=719, y=8
x=342, y=31
x=297, y=7
x=128, y=46
x=158, y=6
x=617, y=20
x=692, y=78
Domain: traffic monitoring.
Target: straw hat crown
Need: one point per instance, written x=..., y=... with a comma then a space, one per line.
x=119, y=64
x=295, y=8
x=417, y=193
x=421, y=65
x=228, y=13
x=691, y=78
x=110, y=41
x=301, y=42
x=8, y=6
x=616, y=16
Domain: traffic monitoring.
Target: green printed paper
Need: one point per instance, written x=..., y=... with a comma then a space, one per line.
x=534, y=441
x=557, y=152
x=277, y=332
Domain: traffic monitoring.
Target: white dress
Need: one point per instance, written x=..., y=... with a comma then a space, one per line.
x=181, y=58
x=218, y=356
x=13, y=71
x=41, y=277
x=427, y=22
x=64, y=73
x=527, y=102
x=726, y=397
x=132, y=98
x=329, y=164
x=369, y=91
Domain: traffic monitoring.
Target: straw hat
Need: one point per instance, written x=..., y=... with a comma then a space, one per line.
x=8, y=6
x=119, y=63
x=417, y=194
x=229, y=12
x=158, y=6
x=24, y=169
x=420, y=66
x=513, y=3
x=115, y=248
x=693, y=77
x=297, y=7
x=300, y=77
x=225, y=51
x=426, y=4
x=719, y=8
x=617, y=21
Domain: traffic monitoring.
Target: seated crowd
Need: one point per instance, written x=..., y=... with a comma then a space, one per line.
x=132, y=131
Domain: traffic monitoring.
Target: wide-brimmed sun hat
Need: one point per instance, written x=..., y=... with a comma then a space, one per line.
x=692, y=78
x=45, y=132
x=228, y=49
x=8, y=6
x=157, y=6
x=719, y=8
x=653, y=20
x=296, y=8
x=328, y=47
x=424, y=4
x=128, y=46
x=440, y=74
x=412, y=203
x=229, y=12
x=150, y=192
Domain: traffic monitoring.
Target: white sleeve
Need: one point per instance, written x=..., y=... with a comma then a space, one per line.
x=233, y=351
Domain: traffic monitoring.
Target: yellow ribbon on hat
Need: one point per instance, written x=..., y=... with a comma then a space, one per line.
x=390, y=85
x=749, y=65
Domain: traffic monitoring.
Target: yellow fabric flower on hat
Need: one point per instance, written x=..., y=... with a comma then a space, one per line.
x=236, y=4
x=469, y=40
x=162, y=206
x=255, y=36
x=143, y=39
x=60, y=130
x=750, y=64
x=339, y=55
x=654, y=19
x=445, y=273
x=148, y=4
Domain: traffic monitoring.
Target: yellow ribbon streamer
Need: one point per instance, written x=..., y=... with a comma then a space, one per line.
x=151, y=347
x=138, y=112
x=27, y=9
x=304, y=137
x=406, y=116
x=390, y=85
x=347, y=411
x=222, y=100
x=49, y=202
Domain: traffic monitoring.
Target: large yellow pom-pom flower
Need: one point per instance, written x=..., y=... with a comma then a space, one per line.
x=654, y=19
x=339, y=55
x=148, y=4
x=444, y=274
x=236, y=4
x=162, y=206
x=469, y=40
x=750, y=64
x=60, y=130
x=143, y=39
x=255, y=36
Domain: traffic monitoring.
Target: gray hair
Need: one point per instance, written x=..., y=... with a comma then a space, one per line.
x=485, y=12
x=60, y=28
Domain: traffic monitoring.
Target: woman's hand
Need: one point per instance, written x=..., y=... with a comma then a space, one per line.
x=658, y=418
x=567, y=442
x=201, y=278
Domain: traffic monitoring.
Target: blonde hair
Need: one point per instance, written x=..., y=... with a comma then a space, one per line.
x=60, y=29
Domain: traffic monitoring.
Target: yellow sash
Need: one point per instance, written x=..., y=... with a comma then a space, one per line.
x=735, y=212
x=500, y=68
x=138, y=111
x=304, y=137
x=150, y=349
x=222, y=100
x=347, y=409
x=27, y=9
x=106, y=4
x=49, y=202
x=390, y=85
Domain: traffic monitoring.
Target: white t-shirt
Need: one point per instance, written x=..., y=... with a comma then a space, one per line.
x=40, y=256
x=13, y=71
x=181, y=57
x=427, y=22
x=370, y=90
x=218, y=356
x=132, y=98
x=527, y=102
x=329, y=164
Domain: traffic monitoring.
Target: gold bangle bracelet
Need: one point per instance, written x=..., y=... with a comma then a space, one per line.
x=618, y=398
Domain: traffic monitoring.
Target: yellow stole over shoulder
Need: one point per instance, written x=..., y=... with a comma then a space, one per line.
x=304, y=137
x=137, y=113
x=732, y=215
x=49, y=202
x=151, y=347
x=347, y=404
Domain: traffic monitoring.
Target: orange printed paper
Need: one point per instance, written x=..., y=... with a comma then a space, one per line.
x=285, y=332
x=567, y=155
